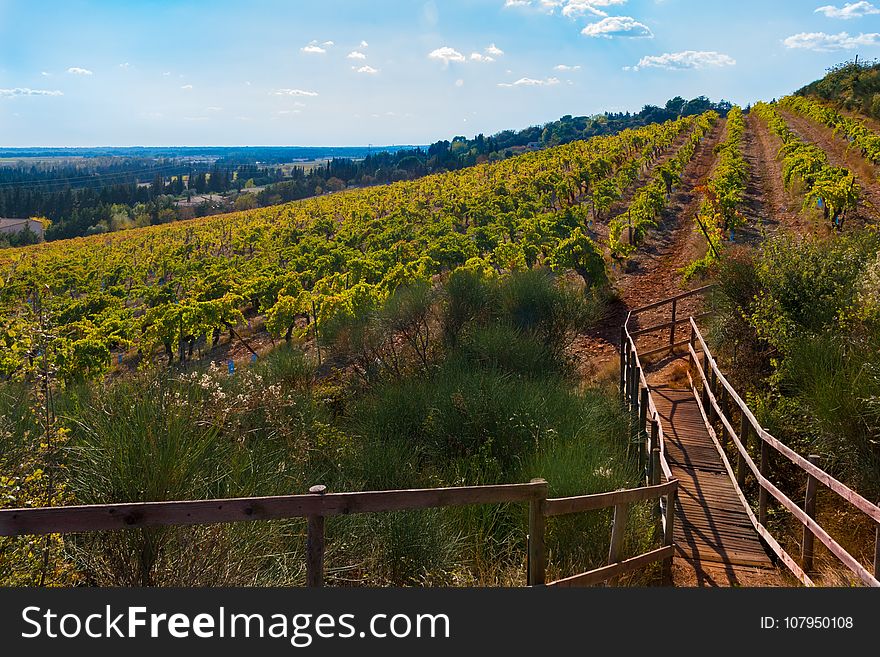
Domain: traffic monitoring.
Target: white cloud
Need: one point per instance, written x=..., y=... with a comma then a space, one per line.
x=125, y=65
x=569, y=8
x=494, y=50
x=295, y=92
x=849, y=10
x=76, y=70
x=213, y=109
x=477, y=57
x=566, y=67
x=530, y=82
x=459, y=83
x=827, y=42
x=364, y=44
x=313, y=50
x=369, y=70
x=446, y=55
x=166, y=74
x=45, y=74
x=25, y=91
x=618, y=26
x=186, y=87
x=328, y=44
x=355, y=54
x=688, y=59
x=575, y=8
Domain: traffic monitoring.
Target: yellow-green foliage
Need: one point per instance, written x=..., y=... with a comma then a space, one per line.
x=175, y=285
x=836, y=187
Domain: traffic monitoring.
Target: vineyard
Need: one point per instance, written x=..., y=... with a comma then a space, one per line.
x=175, y=287
x=458, y=329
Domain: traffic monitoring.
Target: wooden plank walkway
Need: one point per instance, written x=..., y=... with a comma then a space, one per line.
x=711, y=524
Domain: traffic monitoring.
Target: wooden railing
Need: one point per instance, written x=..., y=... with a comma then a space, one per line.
x=620, y=500
x=319, y=504
x=647, y=427
x=715, y=400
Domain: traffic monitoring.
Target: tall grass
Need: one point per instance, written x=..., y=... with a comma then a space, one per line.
x=484, y=395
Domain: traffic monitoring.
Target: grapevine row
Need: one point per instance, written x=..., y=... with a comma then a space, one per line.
x=867, y=141
x=724, y=192
x=627, y=230
x=833, y=188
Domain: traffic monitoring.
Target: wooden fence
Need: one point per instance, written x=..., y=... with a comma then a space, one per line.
x=647, y=427
x=716, y=400
x=319, y=504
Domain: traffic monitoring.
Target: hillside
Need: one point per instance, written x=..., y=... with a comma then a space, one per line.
x=852, y=85
x=458, y=328
x=94, y=191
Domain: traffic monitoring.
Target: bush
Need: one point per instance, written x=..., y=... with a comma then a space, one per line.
x=799, y=323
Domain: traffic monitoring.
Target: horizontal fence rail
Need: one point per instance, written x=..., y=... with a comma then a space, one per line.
x=318, y=504
x=101, y=517
x=715, y=385
x=620, y=501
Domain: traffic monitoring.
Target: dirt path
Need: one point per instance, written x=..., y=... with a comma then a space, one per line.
x=840, y=155
x=768, y=206
x=600, y=230
x=654, y=271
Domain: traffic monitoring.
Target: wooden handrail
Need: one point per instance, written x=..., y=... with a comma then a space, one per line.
x=319, y=504
x=615, y=569
x=677, y=297
x=820, y=475
x=102, y=517
x=667, y=325
x=652, y=414
x=619, y=500
x=763, y=532
x=567, y=505
x=861, y=503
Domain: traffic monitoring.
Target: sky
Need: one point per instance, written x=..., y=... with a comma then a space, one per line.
x=382, y=72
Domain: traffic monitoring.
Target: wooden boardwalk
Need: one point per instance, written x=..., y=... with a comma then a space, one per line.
x=711, y=522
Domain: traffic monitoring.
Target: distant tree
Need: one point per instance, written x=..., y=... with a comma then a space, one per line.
x=246, y=201
x=335, y=184
x=158, y=186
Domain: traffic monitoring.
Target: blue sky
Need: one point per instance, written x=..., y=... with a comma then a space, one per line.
x=336, y=72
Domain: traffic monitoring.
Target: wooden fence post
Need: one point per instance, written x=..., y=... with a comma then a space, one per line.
x=693, y=343
x=877, y=551
x=315, y=545
x=624, y=349
x=655, y=466
x=713, y=387
x=643, y=415
x=762, y=492
x=649, y=445
x=744, y=428
x=672, y=329
x=637, y=382
x=632, y=377
x=810, y=509
x=707, y=381
x=537, y=559
x=618, y=531
x=668, y=534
